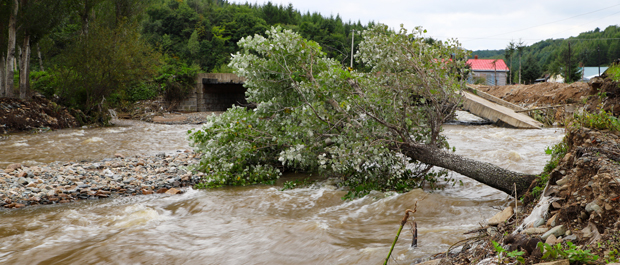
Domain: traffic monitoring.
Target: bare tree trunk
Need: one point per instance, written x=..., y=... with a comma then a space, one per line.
x=487, y=173
x=84, y=15
x=18, y=59
x=2, y=75
x=40, y=58
x=10, y=55
x=24, y=70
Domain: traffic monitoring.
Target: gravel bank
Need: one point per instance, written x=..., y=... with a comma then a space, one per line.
x=63, y=182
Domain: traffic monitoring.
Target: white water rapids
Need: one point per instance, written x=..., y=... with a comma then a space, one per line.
x=248, y=225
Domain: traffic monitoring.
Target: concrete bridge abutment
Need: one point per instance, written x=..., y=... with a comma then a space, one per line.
x=215, y=92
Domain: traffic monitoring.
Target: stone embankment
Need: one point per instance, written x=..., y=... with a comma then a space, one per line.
x=63, y=182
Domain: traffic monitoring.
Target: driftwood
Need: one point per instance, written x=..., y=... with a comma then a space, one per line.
x=402, y=223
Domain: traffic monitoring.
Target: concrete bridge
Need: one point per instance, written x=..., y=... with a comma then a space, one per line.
x=498, y=111
x=215, y=92
x=218, y=92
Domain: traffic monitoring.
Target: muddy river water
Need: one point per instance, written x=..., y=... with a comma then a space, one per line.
x=247, y=225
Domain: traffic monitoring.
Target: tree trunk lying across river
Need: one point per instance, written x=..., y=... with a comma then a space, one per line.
x=487, y=173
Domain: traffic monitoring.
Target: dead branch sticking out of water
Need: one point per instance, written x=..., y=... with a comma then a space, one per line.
x=414, y=232
x=402, y=223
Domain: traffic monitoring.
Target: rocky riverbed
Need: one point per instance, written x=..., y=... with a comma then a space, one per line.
x=63, y=182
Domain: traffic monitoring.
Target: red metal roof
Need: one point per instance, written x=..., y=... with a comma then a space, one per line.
x=487, y=65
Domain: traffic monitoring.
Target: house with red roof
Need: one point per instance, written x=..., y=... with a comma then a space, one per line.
x=492, y=72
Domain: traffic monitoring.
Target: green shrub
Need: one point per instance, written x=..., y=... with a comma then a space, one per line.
x=614, y=72
x=479, y=80
x=501, y=251
x=557, y=152
x=143, y=91
x=571, y=252
x=176, y=79
x=43, y=82
x=602, y=121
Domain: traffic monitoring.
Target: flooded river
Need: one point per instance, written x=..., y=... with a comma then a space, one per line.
x=247, y=225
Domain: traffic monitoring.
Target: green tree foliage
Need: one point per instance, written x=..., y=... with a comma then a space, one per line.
x=566, y=64
x=488, y=54
x=531, y=70
x=170, y=25
x=176, y=79
x=313, y=115
x=189, y=33
x=104, y=64
x=508, y=54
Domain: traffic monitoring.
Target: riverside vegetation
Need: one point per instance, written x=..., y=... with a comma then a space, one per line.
x=375, y=131
x=314, y=116
x=94, y=55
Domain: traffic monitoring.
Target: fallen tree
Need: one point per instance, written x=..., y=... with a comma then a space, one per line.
x=379, y=129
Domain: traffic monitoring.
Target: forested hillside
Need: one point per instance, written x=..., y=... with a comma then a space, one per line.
x=91, y=54
x=205, y=33
x=592, y=48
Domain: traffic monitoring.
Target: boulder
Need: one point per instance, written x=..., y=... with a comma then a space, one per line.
x=552, y=221
x=12, y=167
x=537, y=230
x=551, y=240
x=556, y=231
x=173, y=191
x=501, y=216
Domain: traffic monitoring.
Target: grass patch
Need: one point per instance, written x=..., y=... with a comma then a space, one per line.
x=602, y=121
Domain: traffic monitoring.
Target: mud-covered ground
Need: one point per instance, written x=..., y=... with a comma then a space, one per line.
x=37, y=114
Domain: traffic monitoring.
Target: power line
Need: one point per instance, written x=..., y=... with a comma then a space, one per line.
x=569, y=38
x=547, y=23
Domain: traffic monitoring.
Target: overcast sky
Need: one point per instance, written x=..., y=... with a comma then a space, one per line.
x=477, y=24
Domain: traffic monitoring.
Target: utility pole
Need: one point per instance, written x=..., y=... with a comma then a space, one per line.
x=352, y=41
x=520, y=47
x=495, y=72
x=568, y=66
x=598, y=58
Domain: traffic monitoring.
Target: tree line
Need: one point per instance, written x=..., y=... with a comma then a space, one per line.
x=560, y=56
x=93, y=54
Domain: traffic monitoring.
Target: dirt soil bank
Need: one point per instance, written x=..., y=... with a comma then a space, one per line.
x=539, y=95
x=565, y=99
x=586, y=185
x=33, y=115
